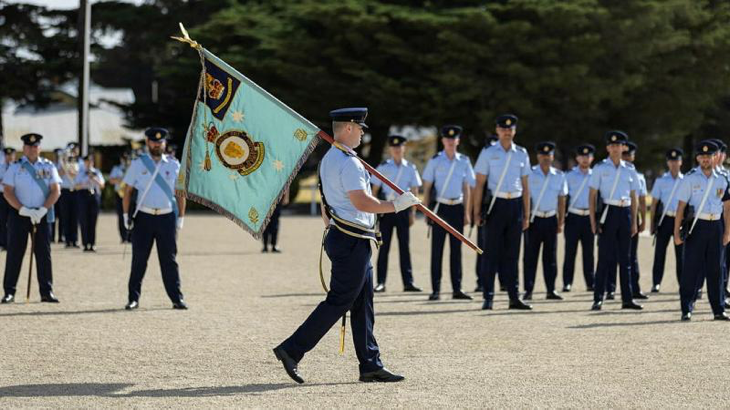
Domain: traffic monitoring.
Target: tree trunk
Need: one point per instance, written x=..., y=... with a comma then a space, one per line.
x=378, y=139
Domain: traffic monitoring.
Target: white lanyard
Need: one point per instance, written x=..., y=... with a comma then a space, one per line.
x=710, y=183
x=539, y=197
x=610, y=197
x=147, y=189
x=580, y=191
x=671, y=196
x=499, y=183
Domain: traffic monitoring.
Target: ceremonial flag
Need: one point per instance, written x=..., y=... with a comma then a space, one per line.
x=243, y=148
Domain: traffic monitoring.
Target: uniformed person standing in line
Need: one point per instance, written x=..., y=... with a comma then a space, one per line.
x=665, y=192
x=577, y=222
x=707, y=192
x=159, y=217
x=618, y=184
x=271, y=233
x=4, y=206
x=68, y=169
x=115, y=177
x=503, y=168
x=405, y=175
x=720, y=167
x=451, y=176
x=348, y=212
x=57, y=225
x=31, y=187
x=547, y=196
x=88, y=185
x=491, y=140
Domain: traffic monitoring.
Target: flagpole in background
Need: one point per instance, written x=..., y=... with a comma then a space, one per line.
x=83, y=94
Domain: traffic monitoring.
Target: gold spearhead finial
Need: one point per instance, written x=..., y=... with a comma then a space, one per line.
x=186, y=38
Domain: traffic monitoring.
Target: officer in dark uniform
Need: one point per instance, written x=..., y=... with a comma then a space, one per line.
x=4, y=207
x=348, y=211
x=271, y=233
x=577, y=222
x=31, y=188
x=547, y=196
x=56, y=230
x=88, y=185
x=663, y=211
x=491, y=140
x=706, y=235
x=618, y=184
x=68, y=167
x=451, y=177
x=159, y=215
x=502, y=169
x=721, y=156
x=405, y=175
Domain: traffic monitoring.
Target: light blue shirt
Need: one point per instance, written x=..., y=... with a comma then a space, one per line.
x=575, y=179
x=3, y=168
x=604, y=173
x=138, y=176
x=491, y=163
x=556, y=186
x=27, y=190
x=117, y=172
x=692, y=189
x=663, y=187
x=643, y=191
x=408, y=178
x=83, y=181
x=341, y=173
x=437, y=169
x=66, y=181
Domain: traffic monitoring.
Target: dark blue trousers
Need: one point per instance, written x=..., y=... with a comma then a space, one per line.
x=454, y=216
x=542, y=232
x=635, y=272
x=351, y=289
x=271, y=233
x=578, y=230
x=4, y=213
x=147, y=230
x=614, y=246
x=703, y=254
x=664, y=236
x=88, y=210
x=19, y=229
x=502, y=238
x=69, y=216
x=399, y=222
x=479, y=264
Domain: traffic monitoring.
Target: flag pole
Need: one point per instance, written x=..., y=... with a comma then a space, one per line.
x=429, y=214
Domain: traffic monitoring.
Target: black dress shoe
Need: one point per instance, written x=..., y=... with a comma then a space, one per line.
x=632, y=305
x=8, y=298
x=597, y=305
x=527, y=295
x=180, y=305
x=655, y=289
x=276, y=249
x=640, y=295
x=567, y=288
x=265, y=250
x=434, y=296
x=611, y=296
x=686, y=317
x=132, y=305
x=487, y=305
x=519, y=305
x=411, y=288
x=722, y=316
x=379, y=288
x=290, y=365
x=554, y=296
x=590, y=288
x=383, y=376
x=502, y=288
x=461, y=296
x=49, y=298
x=479, y=289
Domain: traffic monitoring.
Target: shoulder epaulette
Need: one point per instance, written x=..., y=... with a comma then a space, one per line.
x=437, y=154
x=691, y=171
x=521, y=148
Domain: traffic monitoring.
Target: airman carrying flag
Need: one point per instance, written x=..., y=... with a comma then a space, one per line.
x=243, y=148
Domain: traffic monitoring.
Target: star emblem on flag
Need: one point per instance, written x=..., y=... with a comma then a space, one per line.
x=278, y=165
x=237, y=116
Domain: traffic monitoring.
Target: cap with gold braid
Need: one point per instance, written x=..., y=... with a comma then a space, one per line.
x=675, y=154
x=32, y=139
x=507, y=121
x=545, y=148
x=585, y=149
x=451, y=131
x=616, y=137
x=156, y=134
x=706, y=148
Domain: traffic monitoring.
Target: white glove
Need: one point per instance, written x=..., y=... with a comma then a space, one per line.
x=405, y=201
x=179, y=223
x=35, y=217
x=25, y=211
x=41, y=212
x=127, y=222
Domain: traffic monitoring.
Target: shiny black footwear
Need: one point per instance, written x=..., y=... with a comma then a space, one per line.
x=611, y=296
x=132, y=305
x=597, y=305
x=640, y=295
x=379, y=288
x=686, y=317
x=632, y=305
x=290, y=365
x=276, y=249
x=590, y=289
x=655, y=289
x=554, y=296
x=527, y=295
x=567, y=288
x=265, y=250
x=8, y=298
x=487, y=305
x=519, y=305
x=434, y=296
x=180, y=305
x=459, y=295
x=722, y=316
x=479, y=289
x=49, y=298
x=411, y=288
x=382, y=376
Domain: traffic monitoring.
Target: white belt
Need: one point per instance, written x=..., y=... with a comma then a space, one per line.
x=581, y=212
x=548, y=214
x=450, y=201
x=508, y=195
x=671, y=214
x=709, y=217
x=623, y=203
x=155, y=211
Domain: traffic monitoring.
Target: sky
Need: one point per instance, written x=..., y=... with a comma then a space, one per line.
x=62, y=4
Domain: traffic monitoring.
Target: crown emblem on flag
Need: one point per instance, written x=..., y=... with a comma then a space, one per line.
x=214, y=86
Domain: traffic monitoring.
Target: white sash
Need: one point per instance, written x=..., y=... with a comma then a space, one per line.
x=610, y=197
x=539, y=197
x=666, y=207
x=710, y=184
x=397, y=178
x=580, y=191
x=499, y=183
